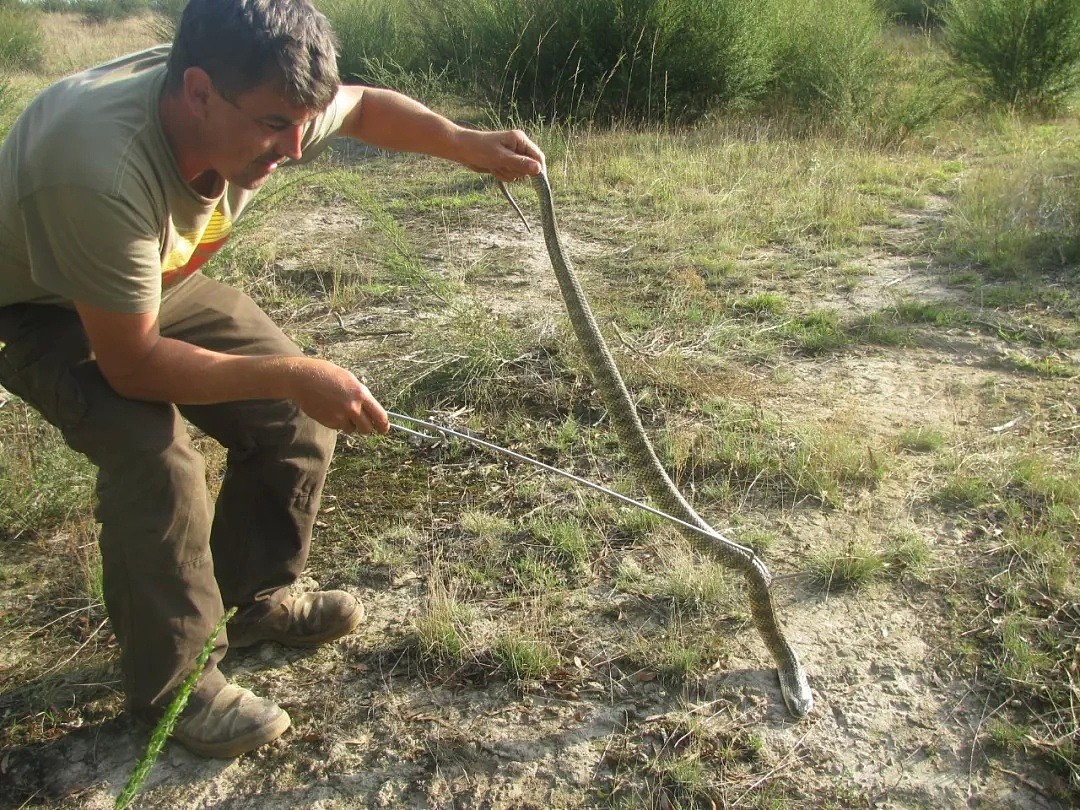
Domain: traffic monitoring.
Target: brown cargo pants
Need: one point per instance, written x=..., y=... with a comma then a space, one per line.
x=170, y=559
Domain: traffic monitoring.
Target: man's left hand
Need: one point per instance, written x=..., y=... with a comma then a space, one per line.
x=508, y=154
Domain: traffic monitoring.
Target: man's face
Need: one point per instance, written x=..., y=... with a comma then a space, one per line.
x=245, y=138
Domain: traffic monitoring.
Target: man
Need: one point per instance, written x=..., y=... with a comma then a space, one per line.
x=116, y=185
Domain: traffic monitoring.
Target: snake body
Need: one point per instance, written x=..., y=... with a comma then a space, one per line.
x=651, y=474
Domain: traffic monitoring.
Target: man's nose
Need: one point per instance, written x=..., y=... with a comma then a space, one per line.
x=289, y=142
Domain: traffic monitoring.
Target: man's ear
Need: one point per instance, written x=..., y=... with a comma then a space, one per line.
x=197, y=88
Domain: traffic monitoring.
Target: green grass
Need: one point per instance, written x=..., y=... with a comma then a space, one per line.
x=523, y=656
x=442, y=629
x=21, y=41
x=848, y=566
x=921, y=439
x=44, y=486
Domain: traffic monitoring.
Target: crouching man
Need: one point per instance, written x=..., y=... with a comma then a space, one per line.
x=116, y=185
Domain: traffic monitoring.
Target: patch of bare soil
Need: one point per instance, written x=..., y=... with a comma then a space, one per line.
x=894, y=725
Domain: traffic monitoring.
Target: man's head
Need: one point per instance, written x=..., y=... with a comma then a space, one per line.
x=250, y=74
x=242, y=44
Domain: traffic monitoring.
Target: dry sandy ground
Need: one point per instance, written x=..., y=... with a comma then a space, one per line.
x=894, y=725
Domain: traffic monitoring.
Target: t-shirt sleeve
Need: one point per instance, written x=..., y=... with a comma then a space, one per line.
x=321, y=131
x=93, y=248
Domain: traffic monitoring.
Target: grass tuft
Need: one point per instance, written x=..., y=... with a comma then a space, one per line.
x=850, y=566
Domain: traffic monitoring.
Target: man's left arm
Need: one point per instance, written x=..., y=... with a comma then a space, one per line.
x=389, y=120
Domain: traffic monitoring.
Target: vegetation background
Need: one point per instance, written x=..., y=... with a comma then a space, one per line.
x=794, y=218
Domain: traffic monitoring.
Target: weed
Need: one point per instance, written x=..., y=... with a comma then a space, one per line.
x=817, y=332
x=852, y=565
x=829, y=55
x=566, y=542
x=485, y=524
x=906, y=554
x=920, y=439
x=696, y=585
x=442, y=629
x=1048, y=366
x=524, y=656
x=167, y=723
x=43, y=484
x=1019, y=218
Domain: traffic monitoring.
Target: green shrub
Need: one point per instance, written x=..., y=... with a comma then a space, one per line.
x=628, y=59
x=374, y=37
x=1023, y=53
x=20, y=38
x=829, y=55
x=102, y=11
x=915, y=12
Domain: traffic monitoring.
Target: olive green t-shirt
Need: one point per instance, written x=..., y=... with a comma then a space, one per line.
x=92, y=206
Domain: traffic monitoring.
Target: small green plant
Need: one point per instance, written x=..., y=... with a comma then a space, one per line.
x=1019, y=219
x=964, y=488
x=906, y=554
x=1048, y=366
x=568, y=543
x=817, y=332
x=920, y=439
x=442, y=628
x=43, y=483
x=485, y=524
x=167, y=722
x=681, y=653
x=1023, y=53
x=852, y=565
x=524, y=657
x=915, y=12
x=696, y=585
x=759, y=305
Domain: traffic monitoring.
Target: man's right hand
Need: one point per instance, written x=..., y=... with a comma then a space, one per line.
x=334, y=397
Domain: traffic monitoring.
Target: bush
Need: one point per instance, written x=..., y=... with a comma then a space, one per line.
x=830, y=54
x=97, y=11
x=374, y=37
x=915, y=12
x=1023, y=53
x=20, y=38
x=629, y=59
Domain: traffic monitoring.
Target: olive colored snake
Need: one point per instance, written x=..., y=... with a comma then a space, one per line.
x=650, y=473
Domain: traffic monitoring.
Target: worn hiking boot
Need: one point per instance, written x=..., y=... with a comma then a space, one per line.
x=302, y=621
x=233, y=723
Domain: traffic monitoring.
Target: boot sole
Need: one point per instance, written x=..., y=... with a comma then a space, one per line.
x=229, y=749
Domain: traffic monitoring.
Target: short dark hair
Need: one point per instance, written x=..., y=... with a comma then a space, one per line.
x=242, y=44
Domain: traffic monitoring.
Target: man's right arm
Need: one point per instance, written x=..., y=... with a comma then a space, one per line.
x=140, y=364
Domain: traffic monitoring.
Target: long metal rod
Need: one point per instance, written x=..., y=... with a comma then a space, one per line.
x=548, y=468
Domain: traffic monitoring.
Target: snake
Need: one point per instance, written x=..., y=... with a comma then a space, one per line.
x=650, y=473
